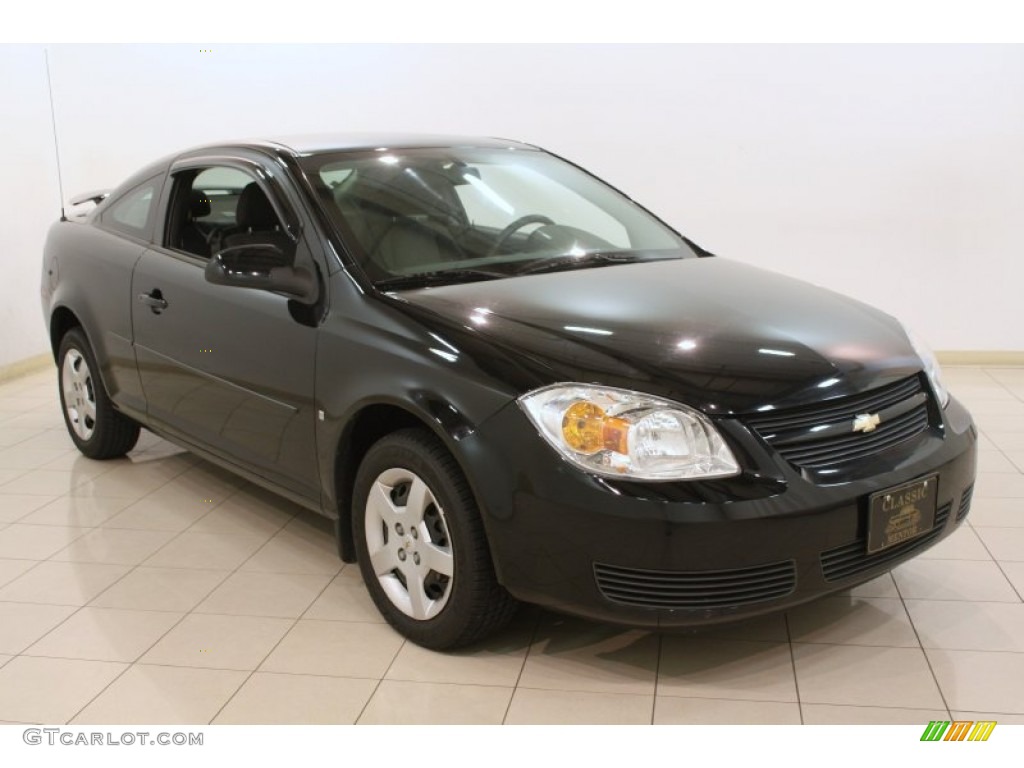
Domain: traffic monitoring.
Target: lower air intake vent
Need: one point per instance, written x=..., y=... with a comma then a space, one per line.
x=851, y=559
x=696, y=589
x=965, y=504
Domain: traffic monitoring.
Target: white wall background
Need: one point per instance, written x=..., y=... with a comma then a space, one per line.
x=892, y=173
x=29, y=202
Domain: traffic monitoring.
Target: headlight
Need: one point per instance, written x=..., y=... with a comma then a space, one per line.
x=619, y=433
x=931, y=366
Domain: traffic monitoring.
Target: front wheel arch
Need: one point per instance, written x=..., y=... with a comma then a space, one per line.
x=62, y=320
x=459, y=597
x=367, y=426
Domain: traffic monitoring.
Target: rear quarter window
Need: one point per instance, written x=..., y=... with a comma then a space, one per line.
x=132, y=212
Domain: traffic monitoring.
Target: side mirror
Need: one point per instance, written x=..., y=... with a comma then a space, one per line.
x=263, y=266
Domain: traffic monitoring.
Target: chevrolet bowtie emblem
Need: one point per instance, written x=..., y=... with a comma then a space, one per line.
x=865, y=422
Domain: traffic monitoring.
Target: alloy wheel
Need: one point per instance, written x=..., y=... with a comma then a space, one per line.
x=79, y=394
x=409, y=545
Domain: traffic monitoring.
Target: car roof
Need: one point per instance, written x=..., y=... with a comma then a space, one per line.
x=349, y=142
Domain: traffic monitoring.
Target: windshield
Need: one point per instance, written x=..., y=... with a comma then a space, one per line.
x=433, y=216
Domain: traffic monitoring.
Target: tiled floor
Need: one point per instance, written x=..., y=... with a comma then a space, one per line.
x=159, y=589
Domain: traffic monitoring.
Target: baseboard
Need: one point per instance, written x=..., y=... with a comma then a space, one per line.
x=25, y=367
x=980, y=357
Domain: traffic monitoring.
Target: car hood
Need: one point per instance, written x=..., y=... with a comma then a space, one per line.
x=716, y=334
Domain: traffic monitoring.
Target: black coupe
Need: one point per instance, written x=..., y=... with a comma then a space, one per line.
x=504, y=380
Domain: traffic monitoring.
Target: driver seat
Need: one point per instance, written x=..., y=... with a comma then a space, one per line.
x=256, y=222
x=192, y=238
x=403, y=219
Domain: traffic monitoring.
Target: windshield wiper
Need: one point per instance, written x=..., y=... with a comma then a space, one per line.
x=597, y=259
x=438, y=277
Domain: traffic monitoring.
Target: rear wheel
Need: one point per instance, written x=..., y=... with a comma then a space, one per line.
x=98, y=431
x=421, y=544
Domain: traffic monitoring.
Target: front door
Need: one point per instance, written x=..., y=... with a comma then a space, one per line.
x=230, y=369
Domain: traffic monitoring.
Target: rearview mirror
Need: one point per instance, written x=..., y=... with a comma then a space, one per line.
x=263, y=266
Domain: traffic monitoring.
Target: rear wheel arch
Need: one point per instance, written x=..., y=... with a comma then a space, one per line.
x=97, y=429
x=62, y=320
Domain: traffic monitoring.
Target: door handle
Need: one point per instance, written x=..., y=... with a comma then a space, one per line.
x=154, y=300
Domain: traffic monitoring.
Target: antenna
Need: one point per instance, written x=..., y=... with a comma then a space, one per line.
x=53, y=122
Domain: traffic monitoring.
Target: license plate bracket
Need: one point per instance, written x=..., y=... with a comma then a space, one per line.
x=900, y=514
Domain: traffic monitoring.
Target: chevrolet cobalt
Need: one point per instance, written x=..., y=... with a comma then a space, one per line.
x=503, y=380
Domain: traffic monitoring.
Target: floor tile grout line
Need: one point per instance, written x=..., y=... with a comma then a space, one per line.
x=19, y=442
x=78, y=608
x=86, y=530
x=821, y=642
x=998, y=564
x=950, y=600
x=51, y=559
x=169, y=480
x=280, y=640
x=792, y=661
x=783, y=701
x=188, y=528
x=131, y=664
x=380, y=680
x=522, y=666
x=146, y=564
x=128, y=666
x=667, y=695
x=657, y=675
x=45, y=466
x=924, y=652
x=1004, y=386
x=110, y=464
x=988, y=712
x=41, y=507
x=260, y=547
x=996, y=448
x=165, y=665
x=37, y=563
x=167, y=543
x=213, y=589
x=505, y=687
x=12, y=479
x=131, y=570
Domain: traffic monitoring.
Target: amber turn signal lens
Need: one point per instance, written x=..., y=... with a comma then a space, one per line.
x=587, y=429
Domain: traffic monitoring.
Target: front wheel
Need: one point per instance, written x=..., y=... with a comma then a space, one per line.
x=98, y=431
x=421, y=544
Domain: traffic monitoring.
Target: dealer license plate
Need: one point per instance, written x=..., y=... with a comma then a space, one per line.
x=899, y=514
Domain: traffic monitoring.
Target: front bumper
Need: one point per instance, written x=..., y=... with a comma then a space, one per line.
x=687, y=554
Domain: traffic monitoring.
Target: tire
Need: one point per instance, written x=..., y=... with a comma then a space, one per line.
x=98, y=431
x=421, y=545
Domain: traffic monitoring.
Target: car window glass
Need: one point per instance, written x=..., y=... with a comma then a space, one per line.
x=130, y=214
x=220, y=188
x=334, y=176
x=414, y=211
x=219, y=206
x=495, y=196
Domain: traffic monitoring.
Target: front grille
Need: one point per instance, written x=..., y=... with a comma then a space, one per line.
x=965, y=503
x=819, y=436
x=696, y=590
x=851, y=559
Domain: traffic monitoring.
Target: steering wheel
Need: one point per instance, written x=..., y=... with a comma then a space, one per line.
x=515, y=226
